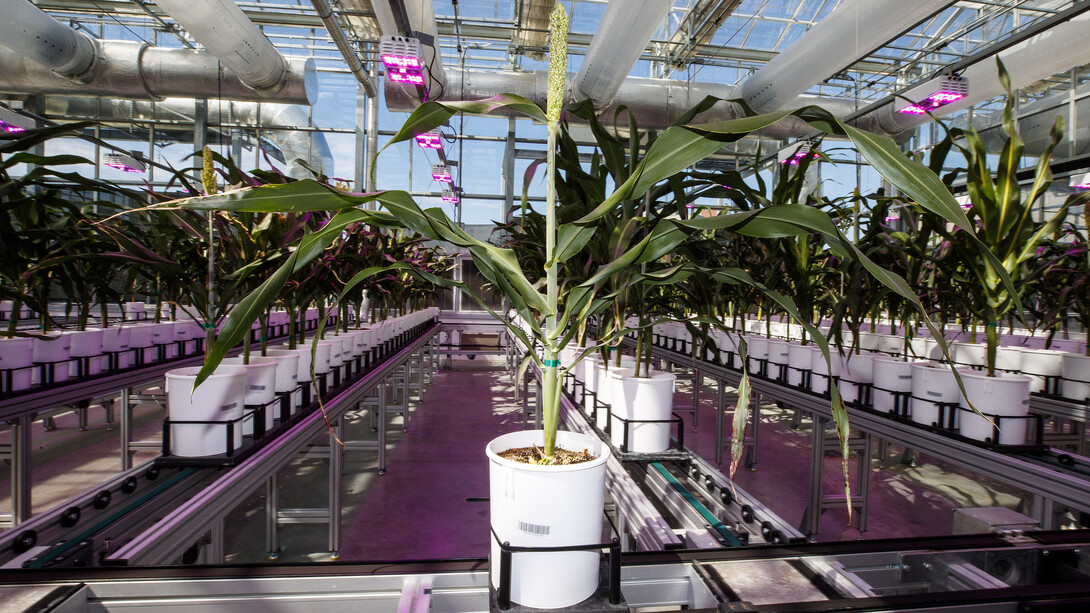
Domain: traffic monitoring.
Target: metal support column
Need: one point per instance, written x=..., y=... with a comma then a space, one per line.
x=755, y=402
x=20, y=469
x=272, y=517
x=821, y=442
x=720, y=419
x=336, y=471
x=215, y=544
x=381, y=409
x=126, y=428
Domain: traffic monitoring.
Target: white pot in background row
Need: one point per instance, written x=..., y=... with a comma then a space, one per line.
x=778, y=352
x=288, y=372
x=219, y=398
x=642, y=398
x=590, y=367
x=260, y=387
x=547, y=506
x=335, y=352
x=931, y=384
x=799, y=359
x=118, y=339
x=1005, y=395
x=1041, y=363
x=822, y=371
x=1076, y=381
x=756, y=349
x=567, y=358
x=854, y=369
x=87, y=344
x=890, y=344
x=55, y=347
x=889, y=375
x=162, y=333
x=17, y=354
x=135, y=310
x=605, y=386
x=728, y=348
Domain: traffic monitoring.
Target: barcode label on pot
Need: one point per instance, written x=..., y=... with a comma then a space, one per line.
x=935, y=394
x=533, y=529
x=228, y=407
x=257, y=388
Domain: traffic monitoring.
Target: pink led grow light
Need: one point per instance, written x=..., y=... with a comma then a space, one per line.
x=932, y=102
x=1081, y=186
x=450, y=196
x=799, y=156
x=10, y=129
x=400, y=62
x=123, y=167
x=429, y=140
x=406, y=77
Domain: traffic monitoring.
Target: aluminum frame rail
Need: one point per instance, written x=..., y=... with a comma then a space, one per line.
x=187, y=523
x=1050, y=486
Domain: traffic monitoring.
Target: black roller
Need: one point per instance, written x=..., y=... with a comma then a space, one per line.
x=725, y=496
x=71, y=516
x=129, y=486
x=152, y=473
x=102, y=500
x=25, y=540
x=766, y=529
x=776, y=538
x=747, y=513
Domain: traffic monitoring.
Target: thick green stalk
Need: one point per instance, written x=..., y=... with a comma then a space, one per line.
x=550, y=383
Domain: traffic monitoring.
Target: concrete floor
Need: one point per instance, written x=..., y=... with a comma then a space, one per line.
x=419, y=509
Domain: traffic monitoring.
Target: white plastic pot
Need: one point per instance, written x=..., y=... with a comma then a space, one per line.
x=890, y=344
x=17, y=355
x=323, y=359
x=932, y=384
x=118, y=340
x=778, y=352
x=973, y=355
x=260, y=386
x=799, y=359
x=854, y=370
x=219, y=398
x=590, y=377
x=302, y=369
x=756, y=349
x=1004, y=395
x=336, y=351
x=1076, y=381
x=1041, y=363
x=641, y=398
x=55, y=347
x=605, y=387
x=547, y=506
x=889, y=376
x=821, y=370
x=135, y=310
x=86, y=344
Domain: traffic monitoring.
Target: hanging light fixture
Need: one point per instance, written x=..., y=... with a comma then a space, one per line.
x=430, y=140
x=450, y=196
x=441, y=173
x=797, y=151
x=1080, y=181
x=935, y=93
x=964, y=202
x=124, y=162
x=402, y=57
x=13, y=123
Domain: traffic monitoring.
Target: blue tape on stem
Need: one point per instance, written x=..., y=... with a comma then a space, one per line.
x=552, y=363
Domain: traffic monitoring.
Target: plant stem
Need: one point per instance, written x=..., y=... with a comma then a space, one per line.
x=551, y=404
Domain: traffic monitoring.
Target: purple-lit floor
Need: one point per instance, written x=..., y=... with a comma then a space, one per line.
x=418, y=510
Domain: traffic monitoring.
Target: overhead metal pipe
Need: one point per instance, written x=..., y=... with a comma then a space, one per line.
x=340, y=39
x=29, y=30
x=622, y=35
x=854, y=30
x=223, y=29
x=126, y=69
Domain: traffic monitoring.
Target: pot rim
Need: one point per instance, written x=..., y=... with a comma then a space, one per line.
x=603, y=456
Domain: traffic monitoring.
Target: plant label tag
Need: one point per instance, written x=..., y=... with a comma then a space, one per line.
x=228, y=407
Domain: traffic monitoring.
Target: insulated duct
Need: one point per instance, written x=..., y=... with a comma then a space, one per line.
x=1055, y=50
x=223, y=29
x=655, y=103
x=624, y=32
x=854, y=30
x=1035, y=124
x=126, y=69
x=280, y=123
x=29, y=30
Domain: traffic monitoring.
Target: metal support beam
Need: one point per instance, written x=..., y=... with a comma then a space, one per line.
x=21, y=506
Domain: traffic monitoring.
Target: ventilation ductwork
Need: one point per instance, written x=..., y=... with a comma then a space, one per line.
x=280, y=123
x=39, y=55
x=854, y=30
x=125, y=69
x=622, y=35
x=223, y=29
